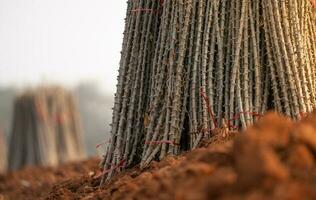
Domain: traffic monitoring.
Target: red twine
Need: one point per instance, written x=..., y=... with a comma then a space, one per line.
x=303, y=114
x=313, y=3
x=161, y=2
x=60, y=119
x=39, y=111
x=101, y=144
x=121, y=164
x=144, y=10
x=161, y=142
x=237, y=116
x=207, y=102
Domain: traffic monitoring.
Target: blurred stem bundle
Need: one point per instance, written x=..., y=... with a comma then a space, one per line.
x=3, y=152
x=46, y=129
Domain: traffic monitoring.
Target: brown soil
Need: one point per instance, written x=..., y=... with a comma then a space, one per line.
x=274, y=159
x=36, y=182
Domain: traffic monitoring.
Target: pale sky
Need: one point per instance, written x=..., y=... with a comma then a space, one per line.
x=63, y=41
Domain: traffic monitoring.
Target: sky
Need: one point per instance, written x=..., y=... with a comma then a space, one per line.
x=60, y=41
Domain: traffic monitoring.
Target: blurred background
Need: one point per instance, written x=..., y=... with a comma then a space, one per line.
x=72, y=43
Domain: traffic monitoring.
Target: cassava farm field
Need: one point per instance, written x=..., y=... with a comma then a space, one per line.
x=274, y=159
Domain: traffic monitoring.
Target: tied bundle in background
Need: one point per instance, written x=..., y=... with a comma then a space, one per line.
x=191, y=66
x=3, y=152
x=46, y=129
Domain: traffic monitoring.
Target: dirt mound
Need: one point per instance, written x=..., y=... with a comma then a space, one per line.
x=274, y=159
x=36, y=182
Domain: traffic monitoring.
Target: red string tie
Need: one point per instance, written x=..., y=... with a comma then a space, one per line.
x=121, y=164
x=101, y=144
x=237, y=116
x=207, y=102
x=313, y=3
x=144, y=10
x=161, y=142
